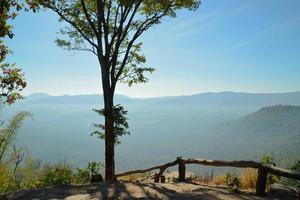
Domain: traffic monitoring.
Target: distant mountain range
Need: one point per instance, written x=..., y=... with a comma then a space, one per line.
x=224, y=125
x=221, y=98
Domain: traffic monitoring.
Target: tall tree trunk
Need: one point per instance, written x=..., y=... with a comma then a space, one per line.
x=109, y=149
x=108, y=95
x=109, y=136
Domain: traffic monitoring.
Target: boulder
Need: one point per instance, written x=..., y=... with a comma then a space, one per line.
x=96, y=178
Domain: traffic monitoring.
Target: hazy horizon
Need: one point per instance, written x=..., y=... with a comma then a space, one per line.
x=192, y=123
x=197, y=93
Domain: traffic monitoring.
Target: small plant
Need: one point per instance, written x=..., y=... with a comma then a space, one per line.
x=81, y=176
x=234, y=185
x=248, y=178
x=147, y=192
x=232, y=182
x=7, y=182
x=219, y=180
x=95, y=167
x=57, y=174
x=228, y=178
x=28, y=175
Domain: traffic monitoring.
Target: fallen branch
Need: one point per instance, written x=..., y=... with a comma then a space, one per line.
x=162, y=168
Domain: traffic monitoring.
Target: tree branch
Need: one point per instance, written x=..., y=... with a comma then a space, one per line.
x=120, y=40
x=83, y=49
x=143, y=27
x=100, y=44
x=55, y=9
x=88, y=18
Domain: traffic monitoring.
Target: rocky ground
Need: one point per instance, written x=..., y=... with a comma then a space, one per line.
x=123, y=190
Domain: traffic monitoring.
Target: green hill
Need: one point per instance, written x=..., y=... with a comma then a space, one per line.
x=273, y=130
x=273, y=120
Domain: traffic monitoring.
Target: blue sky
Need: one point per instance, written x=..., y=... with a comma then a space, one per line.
x=226, y=45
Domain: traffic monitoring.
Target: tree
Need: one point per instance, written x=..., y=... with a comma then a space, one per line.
x=110, y=30
x=12, y=79
x=12, y=82
x=7, y=138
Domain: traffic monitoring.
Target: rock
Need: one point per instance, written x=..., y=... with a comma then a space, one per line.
x=96, y=178
x=282, y=191
x=79, y=197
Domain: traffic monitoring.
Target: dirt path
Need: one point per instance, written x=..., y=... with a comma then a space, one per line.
x=117, y=190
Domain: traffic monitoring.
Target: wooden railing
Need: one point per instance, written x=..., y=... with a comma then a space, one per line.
x=263, y=170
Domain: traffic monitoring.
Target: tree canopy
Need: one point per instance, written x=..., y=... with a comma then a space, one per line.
x=12, y=80
x=110, y=29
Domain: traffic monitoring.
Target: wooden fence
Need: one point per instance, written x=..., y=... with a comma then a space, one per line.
x=262, y=169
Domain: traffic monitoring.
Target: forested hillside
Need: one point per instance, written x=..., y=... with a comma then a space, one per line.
x=274, y=130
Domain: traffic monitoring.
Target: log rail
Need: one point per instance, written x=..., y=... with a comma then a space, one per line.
x=263, y=170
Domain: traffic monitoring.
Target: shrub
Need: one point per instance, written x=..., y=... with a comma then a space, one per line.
x=28, y=175
x=269, y=160
x=81, y=176
x=220, y=180
x=95, y=167
x=32, y=174
x=234, y=184
x=57, y=174
x=7, y=182
x=248, y=178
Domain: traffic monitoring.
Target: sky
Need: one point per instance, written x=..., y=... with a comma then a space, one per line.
x=226, y=45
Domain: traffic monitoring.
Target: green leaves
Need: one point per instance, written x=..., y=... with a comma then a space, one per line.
x=9, y=10
x=95, y=167
x=120, y=123
x=57, y=174
x=169, y=7
x=134, y=70
x=268, y=159
x=12, y=81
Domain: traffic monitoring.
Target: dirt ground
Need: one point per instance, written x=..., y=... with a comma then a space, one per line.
x=122, y=190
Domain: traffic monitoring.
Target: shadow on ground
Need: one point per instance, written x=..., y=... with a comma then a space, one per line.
x=122, y=190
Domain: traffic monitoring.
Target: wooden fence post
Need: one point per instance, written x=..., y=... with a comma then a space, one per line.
x=181, y=170
x=261, y=182
x=156, y=178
